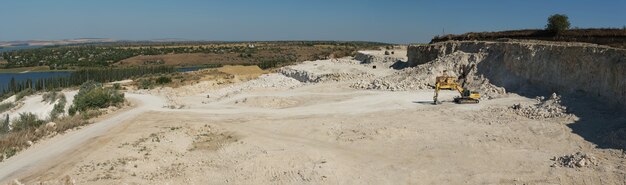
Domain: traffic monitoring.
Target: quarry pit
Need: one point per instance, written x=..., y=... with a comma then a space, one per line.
x=550, y=113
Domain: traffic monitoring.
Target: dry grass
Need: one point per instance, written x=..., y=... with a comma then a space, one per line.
x=186, y=78
x=187, y=59
x=17, y=140
x=282, y=54
x=242, y=70
x=69, y=122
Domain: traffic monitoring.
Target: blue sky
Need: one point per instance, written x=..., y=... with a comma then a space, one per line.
x=400, y=21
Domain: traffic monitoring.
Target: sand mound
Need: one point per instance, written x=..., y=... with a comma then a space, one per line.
x=35, y=104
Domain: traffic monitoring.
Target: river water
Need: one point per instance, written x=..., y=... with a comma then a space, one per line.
x=5, y=78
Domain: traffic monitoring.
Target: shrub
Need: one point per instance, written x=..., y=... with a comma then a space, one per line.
x=50, y=97
x=558, y=23
x=26, y=120
x=71, y=111
x=4, y=128
x=145, y=84
x=23, y=93
x=6, y=106
x=87, y=87
x=59, y=108
x=163, y=80
x=10, y=152
x=117, y=86
x=98, y=98
x=93, y=95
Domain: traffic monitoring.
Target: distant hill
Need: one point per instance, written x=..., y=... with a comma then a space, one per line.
x=53, y=42
x=610, y=37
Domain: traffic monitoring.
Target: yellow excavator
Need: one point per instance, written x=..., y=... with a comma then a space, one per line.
x=450, y=83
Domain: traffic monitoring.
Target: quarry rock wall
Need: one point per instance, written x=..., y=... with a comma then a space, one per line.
x=366, y=57
x=523, y=66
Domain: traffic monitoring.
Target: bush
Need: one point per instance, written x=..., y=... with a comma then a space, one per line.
x=558, y=23
x=26, y=120
x=50, y=97
x=4, y=128
x=145, y=84
x=93, y=96
x=59, y=108
x=163, y=80
x=23, y=93
x=71, y=111
x=87, y=87
x=117, y=86
x=6, y=106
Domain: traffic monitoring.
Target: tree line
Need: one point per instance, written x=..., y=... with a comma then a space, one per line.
x=76, y=78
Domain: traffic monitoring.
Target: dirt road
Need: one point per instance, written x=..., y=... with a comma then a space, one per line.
x=315, y=134
x=46, y=153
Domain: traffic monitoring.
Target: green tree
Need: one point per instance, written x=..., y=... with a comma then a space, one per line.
x=558, y=23
x=12, y=85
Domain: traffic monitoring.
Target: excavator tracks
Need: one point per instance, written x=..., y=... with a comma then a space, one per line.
x=465, y=101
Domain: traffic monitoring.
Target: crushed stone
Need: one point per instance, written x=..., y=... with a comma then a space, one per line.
x=543, y=108
x=459, y=64
x=575, y=160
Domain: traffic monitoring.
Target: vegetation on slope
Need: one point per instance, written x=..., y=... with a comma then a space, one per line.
x=72, y=57
x=557, y=29
x=28, y=128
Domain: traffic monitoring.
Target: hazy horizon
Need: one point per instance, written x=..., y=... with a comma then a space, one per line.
x=391, y=22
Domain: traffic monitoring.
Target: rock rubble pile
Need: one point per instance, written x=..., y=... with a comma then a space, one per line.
x=576, y=160
x=544, y=108
x=459, y=64
x=273, y=80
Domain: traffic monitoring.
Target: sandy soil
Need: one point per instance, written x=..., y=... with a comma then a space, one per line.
x=315, y=133
x=35, y=104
